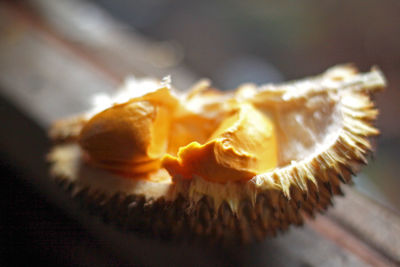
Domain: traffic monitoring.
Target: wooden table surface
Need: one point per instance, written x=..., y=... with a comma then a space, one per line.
x=52, y=60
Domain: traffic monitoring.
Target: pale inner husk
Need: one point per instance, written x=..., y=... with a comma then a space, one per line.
x=306, y=126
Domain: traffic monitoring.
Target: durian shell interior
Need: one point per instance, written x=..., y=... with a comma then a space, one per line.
x=324, y=124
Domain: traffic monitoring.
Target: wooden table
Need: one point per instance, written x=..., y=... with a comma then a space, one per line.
x=52, y=59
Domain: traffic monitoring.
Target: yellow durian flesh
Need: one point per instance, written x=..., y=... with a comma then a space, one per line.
x=136, y=136
x=130, y=137
x=243, y=146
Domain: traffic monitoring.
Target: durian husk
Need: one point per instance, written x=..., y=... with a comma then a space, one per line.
x=240, y=211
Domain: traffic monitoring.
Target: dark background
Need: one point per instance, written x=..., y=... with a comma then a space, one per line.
x=229, y=42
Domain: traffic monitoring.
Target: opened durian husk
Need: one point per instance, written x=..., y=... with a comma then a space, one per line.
x=322, y=126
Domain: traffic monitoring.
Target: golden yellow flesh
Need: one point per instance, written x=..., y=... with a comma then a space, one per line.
x=243, y=146
x=189, y=128
x=130, y=137
x=145, y=134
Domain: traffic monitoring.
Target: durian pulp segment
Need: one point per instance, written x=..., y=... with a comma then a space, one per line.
x=130, y=137
x=243, y=146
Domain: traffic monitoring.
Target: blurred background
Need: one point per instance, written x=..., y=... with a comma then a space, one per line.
x=228, y=41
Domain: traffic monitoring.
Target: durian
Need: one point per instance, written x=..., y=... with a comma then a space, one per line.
x=229, y=166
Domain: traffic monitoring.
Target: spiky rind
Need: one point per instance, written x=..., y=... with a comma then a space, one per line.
x=271, y=213
x=265, y=205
